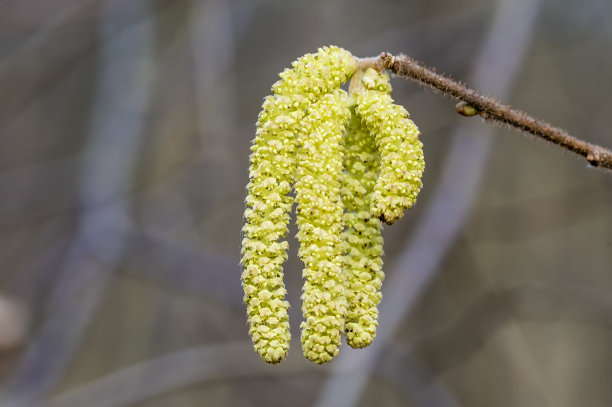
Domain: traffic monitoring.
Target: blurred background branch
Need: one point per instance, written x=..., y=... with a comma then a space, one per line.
x=90, y=259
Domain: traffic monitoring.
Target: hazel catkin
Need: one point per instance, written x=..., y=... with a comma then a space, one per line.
x=402, y=161
x=362, y=240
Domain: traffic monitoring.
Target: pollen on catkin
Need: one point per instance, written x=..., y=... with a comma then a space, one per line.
x=362, y=240
x=314, y=75
x=319, y=219
x=402, y=161
x=272, y=170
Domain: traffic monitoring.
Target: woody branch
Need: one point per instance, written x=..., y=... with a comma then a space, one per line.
x=472, y=103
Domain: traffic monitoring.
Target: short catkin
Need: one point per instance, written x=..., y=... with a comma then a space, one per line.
x=402, y=161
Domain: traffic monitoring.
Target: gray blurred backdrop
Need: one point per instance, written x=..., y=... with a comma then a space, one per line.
x=125, y=128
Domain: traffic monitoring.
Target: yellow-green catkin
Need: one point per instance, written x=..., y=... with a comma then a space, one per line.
x=272, y=170
x=362, y=240
x=267, y=216
x=402, y=161
x=319, y=219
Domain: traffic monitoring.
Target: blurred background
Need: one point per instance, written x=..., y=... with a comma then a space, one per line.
x=125, y=129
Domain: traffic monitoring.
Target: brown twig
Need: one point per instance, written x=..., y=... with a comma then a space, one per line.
x=472, y=103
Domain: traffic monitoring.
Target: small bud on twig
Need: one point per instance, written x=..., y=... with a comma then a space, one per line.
x=465, y=109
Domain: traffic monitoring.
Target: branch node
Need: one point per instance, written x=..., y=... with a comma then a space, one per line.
x=594, y=158
x=387, y=59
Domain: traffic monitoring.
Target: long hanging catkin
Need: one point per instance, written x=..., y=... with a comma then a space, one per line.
x=268, y=204
x=362, y=240
x=319, y=218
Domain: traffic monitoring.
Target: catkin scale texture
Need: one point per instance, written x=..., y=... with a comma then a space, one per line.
x=314, y=75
